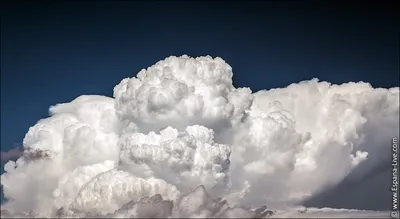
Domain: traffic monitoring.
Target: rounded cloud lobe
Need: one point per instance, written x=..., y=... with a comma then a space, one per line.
x=179, y=135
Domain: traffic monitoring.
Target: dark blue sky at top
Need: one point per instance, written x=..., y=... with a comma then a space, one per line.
x=54, y=52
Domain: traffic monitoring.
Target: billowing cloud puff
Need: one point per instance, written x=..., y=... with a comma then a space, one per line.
x=76, y=135
x=180, y=128
x=183, y=159
x=313, y=129
x=70, y=184
x=106, y=192
x=182, y=91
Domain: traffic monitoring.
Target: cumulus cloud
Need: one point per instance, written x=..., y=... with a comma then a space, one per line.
x=179, y=140
x=181, y=91
x=184, y=159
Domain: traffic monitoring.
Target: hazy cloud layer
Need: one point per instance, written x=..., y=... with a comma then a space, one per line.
x=11, y=154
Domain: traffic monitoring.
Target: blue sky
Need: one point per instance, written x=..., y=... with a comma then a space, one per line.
x=54, y=52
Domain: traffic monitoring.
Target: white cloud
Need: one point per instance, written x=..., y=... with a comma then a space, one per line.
x=180, y=124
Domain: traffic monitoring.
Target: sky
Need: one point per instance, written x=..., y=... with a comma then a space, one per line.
x=53, y=52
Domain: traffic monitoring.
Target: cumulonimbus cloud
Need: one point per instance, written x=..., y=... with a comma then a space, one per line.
x=180, y=128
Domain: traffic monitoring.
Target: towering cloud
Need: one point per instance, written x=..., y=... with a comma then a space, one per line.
x=179, y=135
